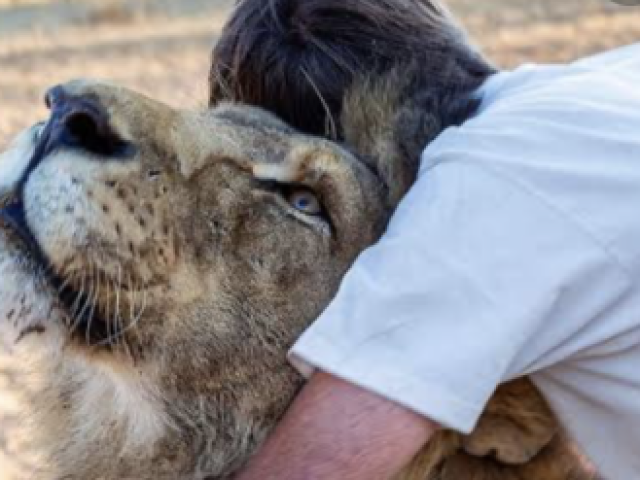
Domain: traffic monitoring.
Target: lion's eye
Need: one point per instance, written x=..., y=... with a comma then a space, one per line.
x=305, y=201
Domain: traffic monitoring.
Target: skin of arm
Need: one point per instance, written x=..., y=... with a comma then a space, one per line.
x=337, y=430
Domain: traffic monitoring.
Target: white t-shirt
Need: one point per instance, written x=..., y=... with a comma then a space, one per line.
x=516, y=253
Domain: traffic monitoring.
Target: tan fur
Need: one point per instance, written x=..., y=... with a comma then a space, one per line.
x=204, y=277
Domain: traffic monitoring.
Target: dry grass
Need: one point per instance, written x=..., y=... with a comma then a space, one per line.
x=167, y=57
x=21, y=3
x=164, y=57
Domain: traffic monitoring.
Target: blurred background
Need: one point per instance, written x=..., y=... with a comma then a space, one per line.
x=162, y=48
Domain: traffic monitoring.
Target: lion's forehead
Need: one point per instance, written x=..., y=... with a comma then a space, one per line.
x=258, y=143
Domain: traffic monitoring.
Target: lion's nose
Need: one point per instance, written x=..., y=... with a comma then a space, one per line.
x=80, y=121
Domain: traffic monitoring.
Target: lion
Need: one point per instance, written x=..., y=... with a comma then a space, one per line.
x=157, y=264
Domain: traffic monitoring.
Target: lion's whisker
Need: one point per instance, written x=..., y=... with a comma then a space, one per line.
x=143, y=307
x=107, y=307
x=77, y=300
x=91, y=292
x=94, y=298
x=88, y=328
x=118, y=291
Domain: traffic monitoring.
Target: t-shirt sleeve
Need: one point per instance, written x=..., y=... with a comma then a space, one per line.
x=476, y=281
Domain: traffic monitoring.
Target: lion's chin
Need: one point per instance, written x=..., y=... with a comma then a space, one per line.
x=33, y=300
x=29, y=312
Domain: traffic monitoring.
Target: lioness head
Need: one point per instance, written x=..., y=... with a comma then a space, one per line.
x=161, y=262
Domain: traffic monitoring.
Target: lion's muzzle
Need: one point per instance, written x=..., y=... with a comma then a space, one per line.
x=80, y=121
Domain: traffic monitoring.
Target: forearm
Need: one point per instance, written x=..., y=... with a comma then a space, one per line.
x=337, y=430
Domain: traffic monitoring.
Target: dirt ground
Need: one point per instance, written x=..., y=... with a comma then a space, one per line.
x=161, y=47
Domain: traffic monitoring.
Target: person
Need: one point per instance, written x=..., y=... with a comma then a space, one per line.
x=516, y=252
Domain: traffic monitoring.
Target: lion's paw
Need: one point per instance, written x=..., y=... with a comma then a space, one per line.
x=507, y=441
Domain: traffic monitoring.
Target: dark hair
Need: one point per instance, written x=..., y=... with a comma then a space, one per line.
x=298, y=58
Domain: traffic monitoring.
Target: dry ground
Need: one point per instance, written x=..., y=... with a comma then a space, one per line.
x=161, y=47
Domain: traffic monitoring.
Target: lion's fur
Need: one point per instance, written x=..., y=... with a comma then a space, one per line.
x=213, y=276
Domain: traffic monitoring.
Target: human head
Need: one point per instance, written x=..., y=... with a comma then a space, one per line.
x=298, y=58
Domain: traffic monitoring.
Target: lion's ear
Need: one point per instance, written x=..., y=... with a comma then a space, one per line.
x=389, y=121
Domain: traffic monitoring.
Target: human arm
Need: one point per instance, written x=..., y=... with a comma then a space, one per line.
x=337, y=430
